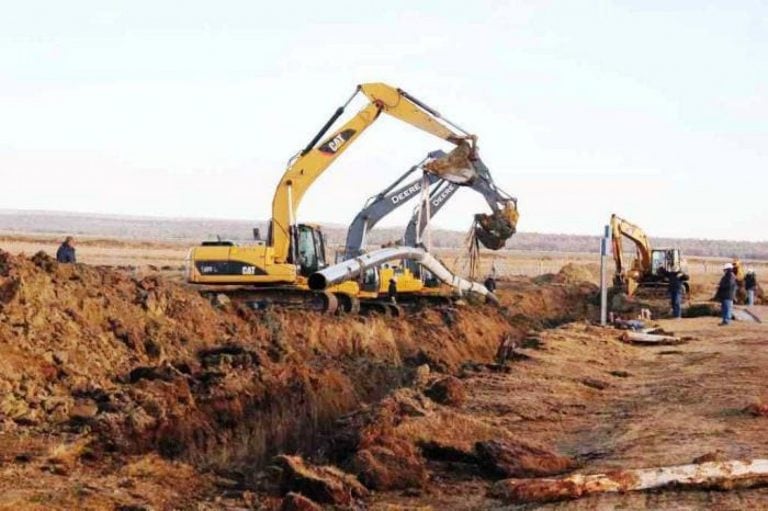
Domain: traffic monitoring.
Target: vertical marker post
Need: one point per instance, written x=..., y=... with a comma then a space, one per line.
x=603, y=281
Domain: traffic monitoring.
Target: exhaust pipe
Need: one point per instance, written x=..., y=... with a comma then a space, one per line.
x=352, y=268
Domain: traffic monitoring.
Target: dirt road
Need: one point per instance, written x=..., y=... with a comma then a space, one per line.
x=612, y=405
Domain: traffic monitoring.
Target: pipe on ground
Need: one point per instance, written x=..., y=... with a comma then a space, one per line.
x=721, y=475
x=352, y=268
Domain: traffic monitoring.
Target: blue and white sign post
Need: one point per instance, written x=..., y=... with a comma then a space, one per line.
x=604, y=244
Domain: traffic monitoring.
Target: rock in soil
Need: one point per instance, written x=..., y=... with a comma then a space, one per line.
x=447, y=391
x=84, y=410
x=298, y=502
x=507, y=459
x=757, y=409
x=391, y=464
x=323, y=484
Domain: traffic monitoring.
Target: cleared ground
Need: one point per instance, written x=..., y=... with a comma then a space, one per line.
x=659, y=406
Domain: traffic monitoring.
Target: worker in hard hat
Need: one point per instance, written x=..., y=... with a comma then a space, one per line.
x=726, y=291
x=750, y=284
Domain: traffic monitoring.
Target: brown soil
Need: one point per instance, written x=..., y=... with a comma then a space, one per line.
x=656, y=406
x=128, y=393
x=118, y=391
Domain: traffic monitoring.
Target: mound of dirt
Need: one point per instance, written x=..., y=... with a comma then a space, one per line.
x=572, y=273
x=130, y=367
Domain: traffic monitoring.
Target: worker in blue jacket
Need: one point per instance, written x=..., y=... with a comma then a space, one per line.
x=66, y=251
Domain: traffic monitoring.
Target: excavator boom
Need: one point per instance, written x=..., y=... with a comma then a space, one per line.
x=621, y=228
x=384, y=203
x=316, y=157
x=441, y=190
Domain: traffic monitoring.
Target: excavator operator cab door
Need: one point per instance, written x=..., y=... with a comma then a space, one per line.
x=310, y=249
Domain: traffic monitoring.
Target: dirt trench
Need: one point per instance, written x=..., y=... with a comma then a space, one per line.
x=120, y=370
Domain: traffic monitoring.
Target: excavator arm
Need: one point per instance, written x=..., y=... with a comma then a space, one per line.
x=620, y=229
x=384, y=203
x=318, y=155
x=395, y=195
x=500, y=202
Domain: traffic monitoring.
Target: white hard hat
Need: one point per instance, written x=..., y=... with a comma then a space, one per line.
x=751, y=270
x=727, y=266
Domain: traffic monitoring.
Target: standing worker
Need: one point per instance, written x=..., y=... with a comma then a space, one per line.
x=392, y=290
x=750, y=284
x=726, y=291
x=675, y=288
x=66, y=251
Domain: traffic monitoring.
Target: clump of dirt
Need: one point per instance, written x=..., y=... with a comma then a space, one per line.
x=322, y=484
x=447, y=391
x=389, y=444
x=521, y=459
x=572, y=273
x=757, y=409
x=134, y=367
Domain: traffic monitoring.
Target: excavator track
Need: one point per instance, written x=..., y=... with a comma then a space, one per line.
x=370, y=308
x=285, y=297
x=348, y=304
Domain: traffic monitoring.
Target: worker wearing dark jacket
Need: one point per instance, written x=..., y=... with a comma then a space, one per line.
x=66, y=251
x=726, y=291
x=676, y=288
x=490, y=284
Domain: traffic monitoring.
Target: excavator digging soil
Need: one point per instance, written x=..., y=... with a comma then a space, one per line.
x=493, y=230
x=281, y=265
x=435, y=190
x=650, y=271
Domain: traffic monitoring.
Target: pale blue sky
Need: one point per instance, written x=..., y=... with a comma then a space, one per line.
x=656, y=110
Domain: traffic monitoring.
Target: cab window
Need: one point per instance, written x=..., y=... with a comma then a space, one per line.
x=306, y=251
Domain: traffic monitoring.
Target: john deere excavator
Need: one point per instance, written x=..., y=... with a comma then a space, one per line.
x=277, y=268
x=651, y=267
x=409, y=277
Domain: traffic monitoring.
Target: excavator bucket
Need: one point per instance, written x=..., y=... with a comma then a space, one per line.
x=456, y=166
x=495, y=229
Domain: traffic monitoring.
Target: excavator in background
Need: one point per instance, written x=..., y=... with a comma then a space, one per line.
x=651, y=267
x=277, y=268
x=409, y=275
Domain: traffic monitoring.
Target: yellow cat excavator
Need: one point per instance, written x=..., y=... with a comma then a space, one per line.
x=650, y=268
x=277, y=269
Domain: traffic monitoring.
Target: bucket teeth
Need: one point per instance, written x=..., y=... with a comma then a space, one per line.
x=495, y=229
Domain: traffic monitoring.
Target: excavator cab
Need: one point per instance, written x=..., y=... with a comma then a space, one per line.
x=310, y=249
x=667, y=260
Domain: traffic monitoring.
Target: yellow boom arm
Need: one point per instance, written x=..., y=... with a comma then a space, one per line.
x=316, y=158
x=621, y=228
